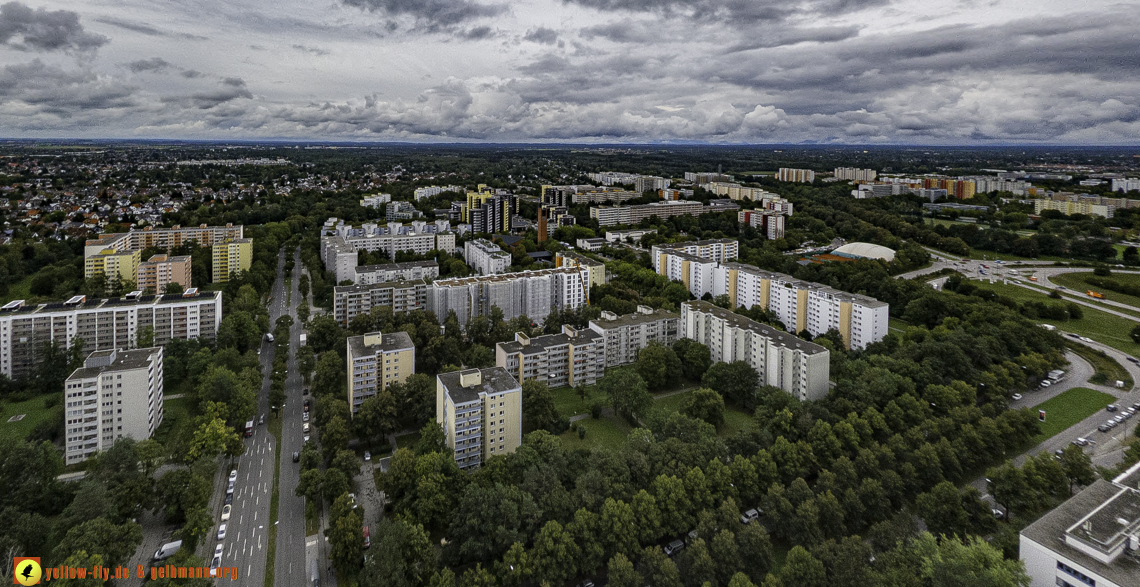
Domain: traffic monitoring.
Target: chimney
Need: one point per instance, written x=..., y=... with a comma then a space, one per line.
x=470, y=378
x=522, y=339
x=569, y=330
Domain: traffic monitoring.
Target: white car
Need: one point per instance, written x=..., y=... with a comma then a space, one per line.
x=222, y=532
x=1046, y=383
x=226, y=512
x=233, y=475
x=218, y=550
x=306, y=438
x=1086, y=339
x=1016, y=396
x=304, y=416
x=305, y=428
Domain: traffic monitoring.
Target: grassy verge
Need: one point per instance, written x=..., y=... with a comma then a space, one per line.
x=34, y=413
x=569, y=403
x=312, y=519
x=271, y=548
x=407, y=440
x=992, y=256
x=1069, y=408
x=608, y=431
x=735, y=419
x=21, y=290
x=1076, y=282
x=1105, y=365
x=1099, y=326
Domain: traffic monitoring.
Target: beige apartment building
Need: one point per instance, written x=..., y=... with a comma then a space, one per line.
x=597, y=269
x=231, y=256
x=480, y=411
x=162, y=270
x=165, y=238
x=625, y=336
x=572, y=357
x=350, y=301
x=375, y=361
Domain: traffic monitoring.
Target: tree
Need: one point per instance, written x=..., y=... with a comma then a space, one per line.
x=402, y=556
x=334, y=437
x=696, y=565
x=736, y=382
x=657, y=569
x=81, y=560
x=803, y=570
x=657, y=365
x=754, y=542
x=489, y=520
x=726, y=555
x=211, y=439
x=740, y=580
x=310, y=485
x=330, y=377
x=345, y=534
x=627, y=393
x=695, y=358
x=538, y=408
x=432, y=439
x=622, y=573
x=115, y=542
x=704, y=404
x=554, y=555
x=618, y=528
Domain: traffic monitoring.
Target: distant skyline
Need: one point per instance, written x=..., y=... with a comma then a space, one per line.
x=938, y=72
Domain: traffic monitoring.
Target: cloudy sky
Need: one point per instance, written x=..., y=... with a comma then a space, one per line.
x=721, y=71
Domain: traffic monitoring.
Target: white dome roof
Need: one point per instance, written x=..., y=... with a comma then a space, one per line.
x=865, y=251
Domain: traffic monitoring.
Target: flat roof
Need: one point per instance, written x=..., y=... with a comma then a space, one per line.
x=863, y=300
x=124, y=360
x=635, y=318
x=582, y=259
x=395, y=266
x=395, y=341
x=347, y=289
x=502, y=277
x=494, y=380
x=541, y=343
x=50, y=307
x=778, y=337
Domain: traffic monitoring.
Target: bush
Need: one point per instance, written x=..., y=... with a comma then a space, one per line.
x=596, y=410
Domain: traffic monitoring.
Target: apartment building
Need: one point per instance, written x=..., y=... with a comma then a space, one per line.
x=625, y=336
x=115, y=394
x=782, y=360
x=375, y=361
x=570, y=358
x=375, y=200
x=113, y=264
x=796, y=175
x=534, y=294
x=102, y=324
x=615, y=215
x=401, y=211
x=340, y=242
x=770, y=223
x=720, y=250
x=1091, y=540
x=480, y=411
x=699, y=177
x=597, y=269
x=854, y=174
x=960, y=189
x=162, y=270
x=735, y=191
x=1122, y=184
x=622, y=236
x=1069, y=208
x=485, y=257
x=488, y=211
x=385, y=272
x=435, y=190
x=350, y=301
x=231, y=256
x=137, y=240
x=646, y=183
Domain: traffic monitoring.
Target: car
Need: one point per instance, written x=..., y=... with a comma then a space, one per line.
x=1110, y=423
x=296, y=457
x=230, y=487
x=1086, y=339
x=748, y=516
x=674, y=547
x=1081, y=441
x=222, y=532
x=226, y=512
x=1061, y=287
x=1103, y=428
x=305, y=391
x=352, y=497
x=1136, y=406
x=367, y=539
x=1016, y=396
x=1119, y=419
x=1046, y=383
x=1112, y=407
x=305, y=428
x=1071, y=335
x=997, y=513
x=214, y=564
x=218, y=550
x=261, y=420
x=306, y=438
x=229, y=498
x=586, y=583
x=1133, y=360
x=304, y=416
x=367, y=456
x=233, y=475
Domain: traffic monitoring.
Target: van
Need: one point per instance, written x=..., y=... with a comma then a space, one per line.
x=316, y=574
x=167, y=550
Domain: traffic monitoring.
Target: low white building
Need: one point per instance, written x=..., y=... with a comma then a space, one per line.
x=115, y=394
x=376, y=200
x=485, y=257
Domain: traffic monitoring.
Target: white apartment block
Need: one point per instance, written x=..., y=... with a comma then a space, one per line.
x=782, y=360
x=621, y=236
x=165, y=238
x=568, y=359
x=385, y=272
x=736, y=191
x=796, y=175
x=485, y=257
x=615, y=215
x=375, y=200
x=720, y=250
x=340, y=243
x=612, y=177
x=650, y=182
x=1068, y=208
x=768, y=222
x=375, y=361
x=855, y=174
x=625, y=336
x=1130, y=184
x=699, y=177
x=102, y=324
x=1091, y=540
x=350, y=301
x=480, y=411
x=534, y=294
x=115, y=394
x=435, y=190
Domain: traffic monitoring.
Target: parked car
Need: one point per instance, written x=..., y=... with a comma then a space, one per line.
x=586, y=583
x=304, y=416
x=367, y=539
x=367, y=456
x=1081, y=441
x=674, y=547
x=229, y=498
x=305, y=428
x=1016, y=396
x=1134, y=360
x=1104, y=427
x=261, y=421
x=296, y=457
x=306, y=438
x=222, y=532
x=749, y=515
x=1119, y=419
x=230, y=487
x=1111, y=407
x=226, y=512
x=233, y=475
x=1046, y=383
x=997, y=513
x=1073, y=335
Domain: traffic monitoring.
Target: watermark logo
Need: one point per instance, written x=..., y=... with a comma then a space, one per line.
x=27, y=570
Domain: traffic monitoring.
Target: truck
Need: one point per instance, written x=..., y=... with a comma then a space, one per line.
x=1032, y=278
x=249, y=429
x=1056, y=375
x=167, y=550
x=1095, y=294
x=303, y=337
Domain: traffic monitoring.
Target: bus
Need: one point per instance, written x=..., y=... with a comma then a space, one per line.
x=249, y=429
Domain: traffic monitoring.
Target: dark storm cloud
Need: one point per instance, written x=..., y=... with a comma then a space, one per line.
x=477, y=33
x=541, y=35
x=60, y=92
x=41, y=30
x=192, y=74
x=155, y=64
x=232, y=89
x=731, y=11
x=432, y=13
x=310, y=50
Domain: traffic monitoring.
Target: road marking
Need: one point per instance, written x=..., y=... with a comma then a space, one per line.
x=249, y=571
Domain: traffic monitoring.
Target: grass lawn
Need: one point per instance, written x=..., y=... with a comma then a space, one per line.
x=407, y=441
x=897, y=324
x=1076, y=282
x=21, y=290
x=1069, y=408
x=1104, y=365
x=608, y=431
x=1099, y=326
x=735, y=419
x=11, y=432
x=569, y=403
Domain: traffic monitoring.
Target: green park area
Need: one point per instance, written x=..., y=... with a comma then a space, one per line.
x=1069, y=408
x=33, y=411
x=1076, y=282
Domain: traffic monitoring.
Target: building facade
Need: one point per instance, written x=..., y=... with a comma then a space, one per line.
x=385, y=272
x=375, y=200
x=350, y=301
x=1068, y=208
x=480, y=411
x=231, y=256
x=340, y=242
x=115, y=394
x=162, y=270
x=796, y=175
x=854, y=174
x=625, y=336
x=166, y=238
x=485, y=257
x=597, y=269
x=1091, y=540
x=113, y=264
x=615, y=215
x=376, y=361
x=534, y=294
x=768, y=222
x=568, y=359
x=720, y=250
x=782, y=360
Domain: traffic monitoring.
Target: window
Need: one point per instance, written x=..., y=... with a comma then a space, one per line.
x=1083, y=578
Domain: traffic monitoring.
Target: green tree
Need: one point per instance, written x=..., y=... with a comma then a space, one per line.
x=803, y=570
x=477, y=576
x=618, y=529
x=310, y=485
x=213, y=438
x=696, y=565
x=740, y=580
x=622, y=574
x=376, y=418
x=1077, y=467
x=334, y=437
x=81, y=560
x=726, y=555
x=736, y=382
x=657, y=569
x=704, y=404
x=657, y=365
x=627, y=393
x=538, y=408
x=554, y=555
x=754, y=542
x=402, y=556
x=115, y=542
x=432, y=439
x=345, y=534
